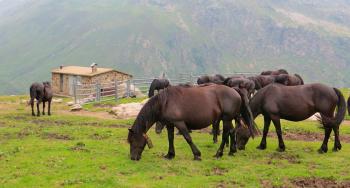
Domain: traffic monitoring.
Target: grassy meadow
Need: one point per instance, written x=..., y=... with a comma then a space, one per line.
x=80, y=150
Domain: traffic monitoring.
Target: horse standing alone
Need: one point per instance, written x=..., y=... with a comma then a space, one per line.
x=190, y=108
x=297, y=103
x=42, y=93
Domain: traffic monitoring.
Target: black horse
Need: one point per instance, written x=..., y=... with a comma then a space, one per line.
x=297, y=103
x=277, y=72
x=158, y=84
x=289, y=80
x=261, y=81
x=216, y=79
x=190, y=108
x=42, y=93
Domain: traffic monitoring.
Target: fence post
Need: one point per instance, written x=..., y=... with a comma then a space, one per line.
x=128, y=88
x=75, y=91
x=116, y=90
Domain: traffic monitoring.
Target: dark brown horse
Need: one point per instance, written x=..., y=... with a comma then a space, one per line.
x=297, y=103
x=289, y=80
x=189, y=108
x=277, y=72
x=261, y=81
x=244, y=84
x=158, y=84
x=42, y=93
x=216, y=79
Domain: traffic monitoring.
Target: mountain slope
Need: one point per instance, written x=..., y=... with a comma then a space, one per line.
x=145, y=37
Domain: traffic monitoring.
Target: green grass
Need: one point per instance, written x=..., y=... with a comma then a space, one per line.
x=76, y=151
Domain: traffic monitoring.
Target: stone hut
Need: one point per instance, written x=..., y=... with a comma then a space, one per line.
x=64, y=77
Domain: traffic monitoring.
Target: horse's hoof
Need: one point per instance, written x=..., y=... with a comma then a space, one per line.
x=281, y=149
x=219, y=155
x=261, y=147
x=169, y=156
x=49, y=114
x=231, y=153
x=322, y=150
x=33, y=114
x=38, y=115
x=197, y=158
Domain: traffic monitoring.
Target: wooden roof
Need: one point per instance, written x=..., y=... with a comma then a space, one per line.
x=84, y=71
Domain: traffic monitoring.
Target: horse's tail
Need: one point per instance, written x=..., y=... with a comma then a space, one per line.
x=301, y=80
x=349, y=105
x=247, y=114
x=152, y=88
x=339, y=116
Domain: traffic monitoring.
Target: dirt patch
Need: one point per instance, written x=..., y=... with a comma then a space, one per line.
x=291, y=158
x=101, y=105
x=56, y=136
x=217, y=171
x=319, y=182
x=307, y=136
x=80, y=146
x=228, y=184
x=101, y=115
x=97, y=136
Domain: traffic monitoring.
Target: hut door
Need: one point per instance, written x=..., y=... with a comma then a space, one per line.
x=61, y=82
x=71, y=82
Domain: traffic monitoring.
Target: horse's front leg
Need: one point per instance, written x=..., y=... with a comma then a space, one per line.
x=225, y=135
x=171, y=150
x=49, y=108
x=184, y=131
x=37, y=107
x=267, y=122
x=277, y=123
x=43, y=107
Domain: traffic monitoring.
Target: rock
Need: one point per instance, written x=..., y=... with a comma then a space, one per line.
x=314, y=117
x=71, y=103
x=76, y=107
x=57, y=100
x=126, y=111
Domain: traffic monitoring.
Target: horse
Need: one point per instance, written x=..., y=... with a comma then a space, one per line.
x=261, y=81
x=349, y=105
x=297, y=103
x=289, y=80
x=277, y=72
x=158, y=84
x=42, y=93
x=216, y=79
x=190, y=108
x=242, y=83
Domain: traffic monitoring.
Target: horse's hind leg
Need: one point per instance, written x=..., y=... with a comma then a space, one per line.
x=225, y=134
x=171, y=150
x=184, y=131
x=267, y=122
x=327, y=133
x=216, y=131
x=277, y=123
x=43, y=108
x=32, y=105
x=337, y=145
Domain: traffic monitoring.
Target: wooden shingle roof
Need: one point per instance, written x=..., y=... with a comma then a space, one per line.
x=84, y=71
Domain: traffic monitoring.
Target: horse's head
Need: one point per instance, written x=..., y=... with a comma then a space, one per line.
x=283, y=79
x=137, y=143
x=47, y=84
x=242, y=135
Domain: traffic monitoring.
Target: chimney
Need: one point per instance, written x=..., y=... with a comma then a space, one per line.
x=61, y=67
x=93, y=67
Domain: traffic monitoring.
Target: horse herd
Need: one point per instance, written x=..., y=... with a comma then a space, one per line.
x=274, y=94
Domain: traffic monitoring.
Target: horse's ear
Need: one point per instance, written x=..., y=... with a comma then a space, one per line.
x=130, y=130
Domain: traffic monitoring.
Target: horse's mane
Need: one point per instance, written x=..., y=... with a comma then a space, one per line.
x=302, y=81
x=148, y=114
x=221, y=77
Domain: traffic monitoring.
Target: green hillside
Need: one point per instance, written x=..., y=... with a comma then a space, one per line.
x=146, y=37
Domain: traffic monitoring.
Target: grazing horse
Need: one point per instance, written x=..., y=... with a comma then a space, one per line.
x=42, y=93
x=289, y=80
x=277, y=72
x=158, y=84
x=190, y=108
x=216, y=79
x=297, y=103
